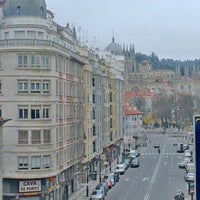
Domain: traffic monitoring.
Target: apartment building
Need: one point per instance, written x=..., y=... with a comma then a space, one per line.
x=42, y=92
x=65, y=102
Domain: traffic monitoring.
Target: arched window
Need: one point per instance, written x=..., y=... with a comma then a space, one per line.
x=41, y=11
x=18, y=10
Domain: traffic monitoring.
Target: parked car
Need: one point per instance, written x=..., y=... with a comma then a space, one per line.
x=97, y=194
x=102, y=187
x=190, y=167
x=110, y=177
x=108, y=182
x=188, y=156
x=189, y=177
x=121, y=168
x=128, y=162
x=105, y=185
x=135, y=162
x=179, y=195
x=134, y=153
x=182, y=164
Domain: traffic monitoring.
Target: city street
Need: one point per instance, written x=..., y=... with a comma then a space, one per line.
x=158, y=176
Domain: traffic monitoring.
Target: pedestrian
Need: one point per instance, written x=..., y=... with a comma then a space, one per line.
x=159, y=150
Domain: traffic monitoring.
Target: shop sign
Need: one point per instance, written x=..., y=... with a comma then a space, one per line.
x=30, y=186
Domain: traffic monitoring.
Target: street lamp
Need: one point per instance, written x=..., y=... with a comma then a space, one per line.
x=2, y=122
x=87, y=187
x=100, y=170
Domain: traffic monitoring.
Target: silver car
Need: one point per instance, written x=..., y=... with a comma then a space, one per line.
x=189, y=177
x=97, y=195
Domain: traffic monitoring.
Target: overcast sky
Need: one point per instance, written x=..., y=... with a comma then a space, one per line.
x=169, y=28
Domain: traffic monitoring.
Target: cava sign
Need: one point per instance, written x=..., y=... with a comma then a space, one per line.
x=30, y=186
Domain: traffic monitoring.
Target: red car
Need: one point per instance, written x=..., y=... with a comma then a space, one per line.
x=108, y=182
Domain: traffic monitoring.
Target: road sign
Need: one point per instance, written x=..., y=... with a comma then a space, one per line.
x=197, y=155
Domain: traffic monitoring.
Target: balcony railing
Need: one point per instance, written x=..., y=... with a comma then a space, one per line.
x=39, y=43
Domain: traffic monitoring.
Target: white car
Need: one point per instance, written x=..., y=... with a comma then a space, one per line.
x=189, y=177
x=121, y=168
x=134, y=153
x=182, y=164
x=190, y=167
x=97, y=194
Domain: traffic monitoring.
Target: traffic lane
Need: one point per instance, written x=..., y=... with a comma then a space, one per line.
x=135, y=182
x=169, y=178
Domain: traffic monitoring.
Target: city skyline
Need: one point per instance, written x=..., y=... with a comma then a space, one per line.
x=170, y=29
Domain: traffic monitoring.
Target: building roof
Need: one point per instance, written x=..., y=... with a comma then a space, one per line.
x=131, y=110
x=25, y=8
x=139, y=94
x=114, y=48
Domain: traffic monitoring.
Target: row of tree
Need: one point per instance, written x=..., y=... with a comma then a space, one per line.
x=168, y=63
x=177, y=110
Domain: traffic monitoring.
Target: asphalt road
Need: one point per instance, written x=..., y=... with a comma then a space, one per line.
x=158, y=176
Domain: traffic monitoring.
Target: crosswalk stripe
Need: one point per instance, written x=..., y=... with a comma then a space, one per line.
x=164, y=153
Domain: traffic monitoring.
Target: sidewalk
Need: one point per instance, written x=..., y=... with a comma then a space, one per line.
x=81, y=193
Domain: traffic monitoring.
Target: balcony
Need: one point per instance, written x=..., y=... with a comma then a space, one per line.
x=24, y=43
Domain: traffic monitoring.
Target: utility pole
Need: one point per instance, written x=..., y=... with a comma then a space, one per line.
x=2, y=122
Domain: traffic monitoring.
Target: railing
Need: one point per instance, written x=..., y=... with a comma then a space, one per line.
x=39, y=43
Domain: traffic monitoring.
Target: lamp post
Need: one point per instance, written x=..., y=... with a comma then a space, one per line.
x=2, y=122
x=100, y=170
x=87, y=187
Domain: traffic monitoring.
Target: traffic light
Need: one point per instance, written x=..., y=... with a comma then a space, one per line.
x=197, y=155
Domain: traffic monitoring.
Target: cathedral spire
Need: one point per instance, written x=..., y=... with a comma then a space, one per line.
x=113, y=37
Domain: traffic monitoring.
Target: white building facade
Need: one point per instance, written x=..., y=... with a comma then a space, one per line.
x=41, y=82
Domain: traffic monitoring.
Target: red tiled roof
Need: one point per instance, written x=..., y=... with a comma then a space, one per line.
x=131, y=110
x=140, y=93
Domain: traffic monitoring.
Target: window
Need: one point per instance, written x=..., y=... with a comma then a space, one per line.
x=41, y=11
x=35, y=87
x=18, y=10
x=46, y=113
x=40, y=35
x=6, y=35
x=45, y=61
x=23, y=112
x=22, y=162
x=93, y=114
x=35, y=113
x=22, y=137
x=35, y=137
x=46, y=136
x=22, y=61
x=93, y=98
x=46, y=162
x=22, y=86
x=35, y=162
x=35, y=61
x=45, y=86
x=93, y=82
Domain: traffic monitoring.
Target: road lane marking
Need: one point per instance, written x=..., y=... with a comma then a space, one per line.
x=145, y=178
x=153, y=177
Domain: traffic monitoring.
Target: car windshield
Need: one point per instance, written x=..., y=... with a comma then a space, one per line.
x=96, y=192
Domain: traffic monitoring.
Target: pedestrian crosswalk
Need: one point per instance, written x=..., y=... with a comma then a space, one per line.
x=164, y=153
